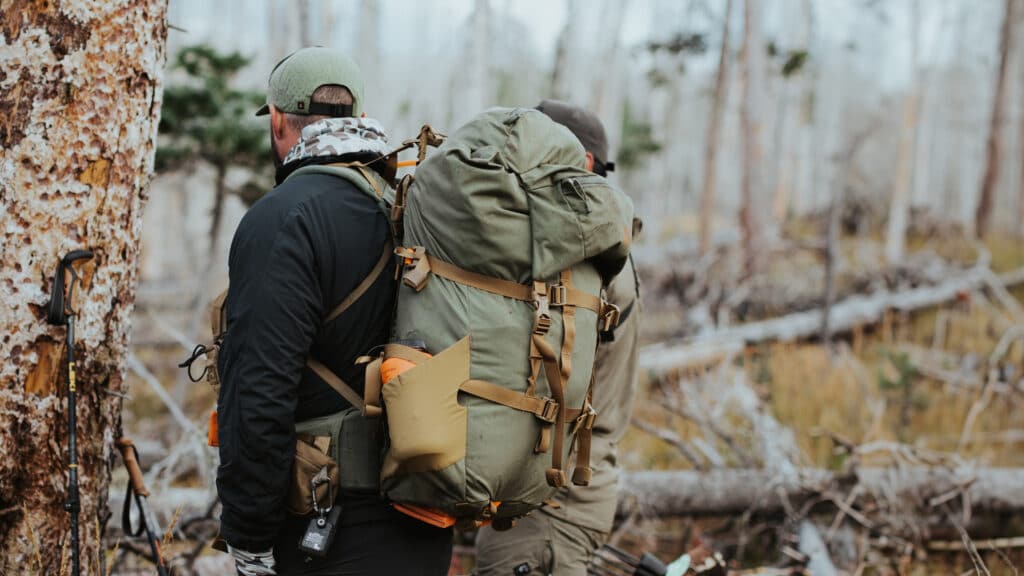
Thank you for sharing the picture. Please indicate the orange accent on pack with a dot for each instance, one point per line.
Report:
(392, 367)
(407, 163)
(427, 515)
(211, 432)
(433, 516)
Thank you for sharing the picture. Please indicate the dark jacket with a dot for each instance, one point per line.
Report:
(296, 254)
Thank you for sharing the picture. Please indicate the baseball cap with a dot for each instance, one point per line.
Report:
(294, 79)
(584, 124)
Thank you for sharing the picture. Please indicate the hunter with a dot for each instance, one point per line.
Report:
(561, 538)
(308, 245)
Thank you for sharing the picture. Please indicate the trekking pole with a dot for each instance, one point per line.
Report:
(137, 488)
(61, 313)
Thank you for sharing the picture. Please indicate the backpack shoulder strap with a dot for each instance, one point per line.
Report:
(218, 315)
(360, 176)
(371, 278)
(339, 385)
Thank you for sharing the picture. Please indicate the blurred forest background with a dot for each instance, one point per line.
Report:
(832, 266)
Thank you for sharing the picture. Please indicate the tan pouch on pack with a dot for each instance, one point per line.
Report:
(311, 456)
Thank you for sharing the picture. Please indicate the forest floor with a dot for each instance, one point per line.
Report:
(911, 380)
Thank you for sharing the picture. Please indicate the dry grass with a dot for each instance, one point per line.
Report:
(812, 390)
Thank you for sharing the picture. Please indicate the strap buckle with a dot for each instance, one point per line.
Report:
(610, 314)
(549, 413)
(542, 316)
(417, 276)
(558, 294)
(586, 419)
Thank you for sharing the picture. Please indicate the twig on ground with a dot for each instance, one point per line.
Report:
(141, 371)
(972, 552)
(677, 405)
(672, 439)
(976, 409)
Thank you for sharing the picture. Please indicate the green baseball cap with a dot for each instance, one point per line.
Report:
(299, 74)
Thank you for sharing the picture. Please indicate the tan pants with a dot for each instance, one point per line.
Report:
(537, 545)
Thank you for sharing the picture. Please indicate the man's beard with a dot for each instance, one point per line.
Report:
(278, 161)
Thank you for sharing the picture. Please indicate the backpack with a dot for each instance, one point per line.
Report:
(507, 243)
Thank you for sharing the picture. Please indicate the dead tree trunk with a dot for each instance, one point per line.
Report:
(843, 316)
(899, 207)
(983, 214)
(707, 196)
(369, 42)
(738, 491)
(750, 224)
(80, 100)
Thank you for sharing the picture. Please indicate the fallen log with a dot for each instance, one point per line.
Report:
(709, 347)
(687, 493)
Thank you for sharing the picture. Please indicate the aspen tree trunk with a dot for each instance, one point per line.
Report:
(983, 213)
(753, 56)
(707, 196)
(565, 53)
(899, 206)
(80, 94)
(479, 89)
(369, 45)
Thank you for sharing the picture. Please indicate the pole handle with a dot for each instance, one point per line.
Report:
(131, 461)
(61, 298)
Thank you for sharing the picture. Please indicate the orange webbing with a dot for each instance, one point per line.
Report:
(212, 436)
(428, 515)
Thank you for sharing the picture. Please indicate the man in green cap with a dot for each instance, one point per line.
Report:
(312, 242)
(561, 537)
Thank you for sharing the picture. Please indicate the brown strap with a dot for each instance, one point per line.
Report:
(536, 361)
(555, 475)
(131, 462)
(582, 473)
(407, 353)
(218, 315)
(544, 408)
(398, 206)
(371, 389)
(339, 385)
(568, 328)
(479, 281)
(583, 428)
(363, 169)
(365, 285)
(369, 178)
(561, 295)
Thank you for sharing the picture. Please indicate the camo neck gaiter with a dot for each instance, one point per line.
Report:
(340, 137)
